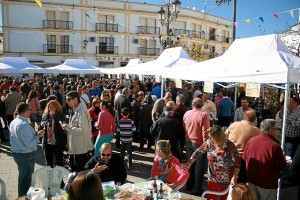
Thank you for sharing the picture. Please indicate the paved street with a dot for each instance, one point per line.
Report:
(142, 162)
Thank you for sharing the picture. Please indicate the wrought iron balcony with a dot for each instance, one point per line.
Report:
(148, 30)
(148, 51)
(58, 24)
(107, 27)
(107, 50)
(53, 48)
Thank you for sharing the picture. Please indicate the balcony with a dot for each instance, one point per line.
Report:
(212, 37)
(58, 24)
(106, 27)
(148, 30)
(107, 50)
(148, 51)
(53, 48)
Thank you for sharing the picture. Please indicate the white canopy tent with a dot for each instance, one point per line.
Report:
(172, 57)
(6, 69)
(262, 59)
(133, 62)
(21, 63)
(73, 66)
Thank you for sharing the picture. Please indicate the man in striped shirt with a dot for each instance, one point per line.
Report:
(126, 128)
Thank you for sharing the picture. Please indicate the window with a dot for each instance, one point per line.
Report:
(51, 19)
(51, 44)
(65, 48)
(64, 17)
(212, 33)
(106, 45)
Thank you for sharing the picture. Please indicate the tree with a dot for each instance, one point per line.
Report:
(195, 51)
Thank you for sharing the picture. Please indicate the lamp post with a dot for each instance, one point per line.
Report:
(219, 2)
(85, 42)
(166, 17)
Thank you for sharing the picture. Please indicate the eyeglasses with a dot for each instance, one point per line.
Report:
(106, 95)
(103, 154)
(69, 99)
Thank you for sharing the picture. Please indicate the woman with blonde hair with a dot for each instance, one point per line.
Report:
(242, 191)
(223, 161)
(55, 138)
(167, 167)
(86, 185)
(106, 96)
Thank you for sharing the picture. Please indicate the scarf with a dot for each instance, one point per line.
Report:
(163, 165)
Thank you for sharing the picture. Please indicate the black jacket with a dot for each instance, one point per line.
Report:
(116, 170)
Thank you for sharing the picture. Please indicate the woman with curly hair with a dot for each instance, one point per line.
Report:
(55, 138)
(167, 167)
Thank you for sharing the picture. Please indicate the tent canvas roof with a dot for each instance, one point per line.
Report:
(4, 68)
(133, 62)
(262, 59)
(168, 59)
(73, 66)
(19, 63)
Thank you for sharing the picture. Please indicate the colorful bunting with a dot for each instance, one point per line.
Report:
(291, 12)
(236, 24)
(58, 8)
(261, 19)
(275, 15)
(39, 3)
(248, 22)
(226, 26)
(87, 15)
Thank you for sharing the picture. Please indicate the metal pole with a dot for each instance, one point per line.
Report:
(168, 24)
(234, 20)
(285, 109)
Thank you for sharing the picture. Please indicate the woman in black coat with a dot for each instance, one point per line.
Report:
(55, 138)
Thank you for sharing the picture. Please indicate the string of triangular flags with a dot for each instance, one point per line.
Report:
(262, 19)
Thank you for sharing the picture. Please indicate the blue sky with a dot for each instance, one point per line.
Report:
(248, 9)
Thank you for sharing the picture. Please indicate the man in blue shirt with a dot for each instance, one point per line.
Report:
(157, 90)
(225, 110)
(95, 91)
(24, 140)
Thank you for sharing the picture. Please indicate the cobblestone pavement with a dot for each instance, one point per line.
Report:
(142, 162)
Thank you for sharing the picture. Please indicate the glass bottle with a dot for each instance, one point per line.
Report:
(49, 195)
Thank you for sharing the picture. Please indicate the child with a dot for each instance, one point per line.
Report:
(126, 128)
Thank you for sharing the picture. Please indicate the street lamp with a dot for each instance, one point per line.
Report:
(85, 42)
(219, 2)
(166, 17)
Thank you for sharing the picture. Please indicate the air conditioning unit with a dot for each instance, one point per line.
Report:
(135, 41)
(92, 39)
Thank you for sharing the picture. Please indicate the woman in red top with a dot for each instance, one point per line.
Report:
(94, 113)
(167, 167)
(34, 104)
(106, 126)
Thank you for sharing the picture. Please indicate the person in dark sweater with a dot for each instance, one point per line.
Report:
(108, 166)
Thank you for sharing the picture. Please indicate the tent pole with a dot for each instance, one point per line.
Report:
(235, 96)
(285, 108)
(162, 86)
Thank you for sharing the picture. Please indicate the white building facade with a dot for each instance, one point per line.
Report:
(103, 32)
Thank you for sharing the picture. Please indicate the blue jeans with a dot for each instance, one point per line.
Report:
(25, 163)
(127, 147)
(197, 169)
(107, 138)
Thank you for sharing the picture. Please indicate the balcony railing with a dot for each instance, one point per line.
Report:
(107, 50)
(106, 27)
(148, 51)
(148, 30)
(53, 48)
(58, 24)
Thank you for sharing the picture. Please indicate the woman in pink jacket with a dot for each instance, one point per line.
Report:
(106, 126)
(167, 167)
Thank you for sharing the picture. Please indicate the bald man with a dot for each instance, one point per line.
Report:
(240, 133)
(108, 165)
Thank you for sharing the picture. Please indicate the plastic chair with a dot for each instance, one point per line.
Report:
(50, 177)
(220, 193)
(3, 189)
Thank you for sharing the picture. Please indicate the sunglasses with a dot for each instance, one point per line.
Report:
(106, 95)
(69, 99)
(103, 154)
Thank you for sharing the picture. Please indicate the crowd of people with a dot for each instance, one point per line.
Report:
(230, 142)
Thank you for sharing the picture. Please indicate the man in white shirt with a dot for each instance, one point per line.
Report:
(208, 105)
(83, 97)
